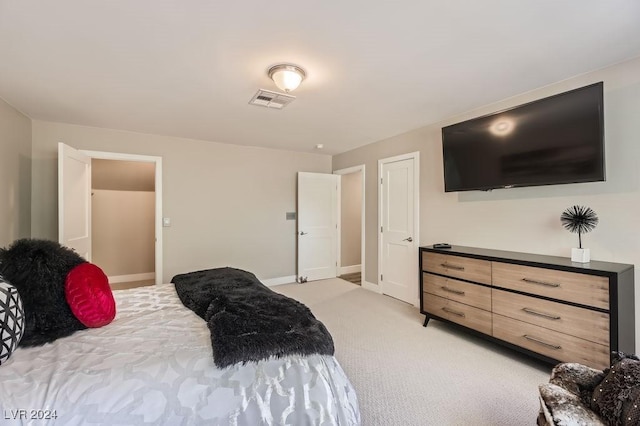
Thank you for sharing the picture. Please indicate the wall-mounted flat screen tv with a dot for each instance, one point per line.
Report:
(555, 140)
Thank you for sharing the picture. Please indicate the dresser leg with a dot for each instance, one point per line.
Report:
(426, 321)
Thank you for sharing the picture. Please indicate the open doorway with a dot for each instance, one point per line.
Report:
(122, 221)
(75, 205)
(351, 225)
(157, 215)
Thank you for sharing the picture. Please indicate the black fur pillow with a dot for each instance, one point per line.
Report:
(38, 269)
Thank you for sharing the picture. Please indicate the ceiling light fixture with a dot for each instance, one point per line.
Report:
(287, 76)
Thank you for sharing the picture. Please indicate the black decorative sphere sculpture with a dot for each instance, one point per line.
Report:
(579, 219)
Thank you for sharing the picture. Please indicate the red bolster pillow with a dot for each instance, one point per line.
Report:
(89, 295)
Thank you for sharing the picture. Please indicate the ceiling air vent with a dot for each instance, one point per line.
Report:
(270, 99)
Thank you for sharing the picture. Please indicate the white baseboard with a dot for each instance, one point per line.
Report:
(131, 277)
(349, 269)
(372, 287)
(279, 281)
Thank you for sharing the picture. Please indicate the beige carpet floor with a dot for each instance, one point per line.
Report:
(405, 374)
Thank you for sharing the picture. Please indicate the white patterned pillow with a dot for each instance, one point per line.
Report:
(11, 319)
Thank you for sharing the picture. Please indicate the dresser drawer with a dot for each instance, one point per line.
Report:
(457, 266)
(550, 343)
(589, 290)
(459, 313)
(434, 304)
(459, 291)
(579, 322)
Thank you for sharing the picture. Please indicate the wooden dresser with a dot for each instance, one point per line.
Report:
(545, 306)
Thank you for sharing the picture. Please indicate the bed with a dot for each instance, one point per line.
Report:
(153, 365)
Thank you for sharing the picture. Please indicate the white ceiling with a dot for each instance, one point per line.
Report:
(375, 68)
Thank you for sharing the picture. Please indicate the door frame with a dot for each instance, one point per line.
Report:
(416, 214)
(102, 155)
(347, 171)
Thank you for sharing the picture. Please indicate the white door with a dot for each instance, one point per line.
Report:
(74, 200)
(399, 245)
(317, 226)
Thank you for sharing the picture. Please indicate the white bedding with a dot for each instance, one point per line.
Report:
(153, 365)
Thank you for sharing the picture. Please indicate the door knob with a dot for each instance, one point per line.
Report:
(303, 233)
(408, 239)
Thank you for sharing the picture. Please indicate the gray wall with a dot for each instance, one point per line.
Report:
(120, 175)
(351, 219)
(227, 203)
(15, 174)
(524, 219)
(123, 231)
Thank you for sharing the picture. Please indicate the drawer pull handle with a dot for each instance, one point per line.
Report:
(549, 345)
(450, 290)
(541, 314)
(460, 314)
(449, 266)
(530, 281)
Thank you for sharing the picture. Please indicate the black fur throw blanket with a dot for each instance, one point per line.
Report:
(247, 320)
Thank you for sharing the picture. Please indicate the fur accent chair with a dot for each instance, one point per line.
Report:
(565, 399)
(580, 395)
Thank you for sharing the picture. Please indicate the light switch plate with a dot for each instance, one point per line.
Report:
(166, 221)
